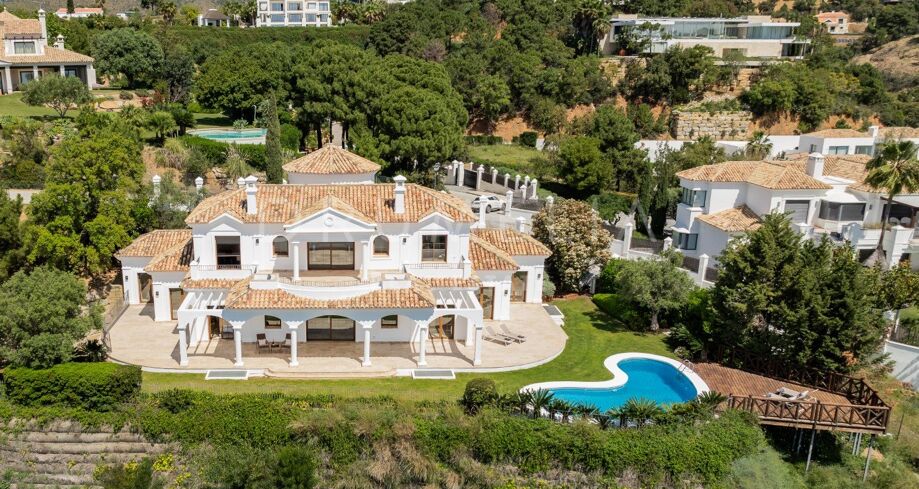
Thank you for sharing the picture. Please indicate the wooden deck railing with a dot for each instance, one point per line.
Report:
(856, 390)
(846, 417)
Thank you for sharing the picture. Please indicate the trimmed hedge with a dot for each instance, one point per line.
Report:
(215, 152)
(93, 386)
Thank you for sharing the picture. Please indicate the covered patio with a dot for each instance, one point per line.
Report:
(138, 340)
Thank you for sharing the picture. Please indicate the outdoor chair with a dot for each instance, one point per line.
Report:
(510, 334)
(262, 342)
(286, 342)
(506, 337)
(490, 336)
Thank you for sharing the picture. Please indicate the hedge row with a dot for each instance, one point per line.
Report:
(93, 386)
(216, 152)
(484, 140)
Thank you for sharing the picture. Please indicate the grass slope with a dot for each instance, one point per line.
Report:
(592, 336)
(507, 155)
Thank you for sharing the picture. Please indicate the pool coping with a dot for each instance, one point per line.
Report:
(620, 378)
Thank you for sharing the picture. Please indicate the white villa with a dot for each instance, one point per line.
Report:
(299, 13)
(332, 257)
(79, 12)
(25, 54)
(824, 196)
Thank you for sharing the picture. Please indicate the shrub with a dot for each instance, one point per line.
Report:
(290, 137)
(133, 475)
(296, 468)
(90, 351)
(528, 138)
(125, 95)
(92, 386)
(142, 92)
(478, 394)
(548, 288)
(215, 153)
(606, 282)
(618, 308)
(175, 400)
(483, 140)
(43, 351)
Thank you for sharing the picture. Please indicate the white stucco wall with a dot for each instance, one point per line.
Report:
(906, 361)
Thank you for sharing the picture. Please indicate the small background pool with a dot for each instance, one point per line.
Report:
(648, 379)
(229, 135)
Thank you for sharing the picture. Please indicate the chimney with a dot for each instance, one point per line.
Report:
(240, 182)
(251, 190)
(521, 224)
(400, 194)
(44, 25)
(874, 131)
(815, 165)
(59, 41)
(199, 184)
(156, 186)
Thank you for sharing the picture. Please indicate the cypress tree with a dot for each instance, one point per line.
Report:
(70, 8)
(274, 171)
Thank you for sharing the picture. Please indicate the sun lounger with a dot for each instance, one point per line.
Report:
(496, 339)
(505, 337)
(507, 332)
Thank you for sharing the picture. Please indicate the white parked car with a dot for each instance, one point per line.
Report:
(491, 203)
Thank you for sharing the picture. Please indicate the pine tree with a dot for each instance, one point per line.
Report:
(274, 171)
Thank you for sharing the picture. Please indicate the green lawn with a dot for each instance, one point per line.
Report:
(13, 105)
(205, 120)
(592, 336)
(507, 155)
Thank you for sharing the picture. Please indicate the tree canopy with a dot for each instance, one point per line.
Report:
(60, 93)
(129, 52)
(574, 233)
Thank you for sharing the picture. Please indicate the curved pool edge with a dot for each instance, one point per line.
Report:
(620, 378)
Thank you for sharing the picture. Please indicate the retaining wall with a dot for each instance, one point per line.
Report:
(717, 125)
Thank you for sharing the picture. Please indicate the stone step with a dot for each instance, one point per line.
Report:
(29, 485)
(31, 467)
(79, 448)
(329, 375)
(70, 437)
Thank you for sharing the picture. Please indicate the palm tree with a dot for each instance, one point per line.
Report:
(560, 406)
(524, 399)
(758, 147)
(710, 400)
(161, 123)
(540, 398)
(893, 169)
(586, 411)
(641, 410)
(591, 22)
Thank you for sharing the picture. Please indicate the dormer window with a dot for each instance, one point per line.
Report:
(279, 246)
(24, 47)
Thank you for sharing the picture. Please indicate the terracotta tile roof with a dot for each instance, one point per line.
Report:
(765, 174)
(850, 167)
(176, 259)
(418, 296)
(331, 160)
(839, 133)
(898, 132)
(208, 283)
(330, 202)
(155, 242)
(486, 256)
(735, 220)
(281, 203)
(513, 242)
(12, 26)
(52, 55)
(453, 283)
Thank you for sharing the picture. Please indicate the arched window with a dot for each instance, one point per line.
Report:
(381, 246)
(279, 246)
(272, 322)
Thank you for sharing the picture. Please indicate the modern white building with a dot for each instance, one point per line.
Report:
(347, 262)
(25, 54)
(753, 36)
(79, 12)
(823, 195)
(290, 13)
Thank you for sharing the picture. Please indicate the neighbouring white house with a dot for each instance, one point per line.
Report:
(345, 262)
(823, 195)
(26, 55)
(213, 18)
(753, 36)
(286, 13)
(79, 12)
(835, 22)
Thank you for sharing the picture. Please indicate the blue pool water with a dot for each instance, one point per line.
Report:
(648, 379)
(229, 135)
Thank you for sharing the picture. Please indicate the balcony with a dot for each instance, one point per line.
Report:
(229, 272)
(329, 284)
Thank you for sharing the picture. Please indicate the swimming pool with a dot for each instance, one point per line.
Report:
(243, 136)
(635, 375)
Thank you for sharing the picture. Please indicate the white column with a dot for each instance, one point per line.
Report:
(668, 243)
(477, 358)
(533, 185)
(422, 342)
(183, 345)
(507, 178)
(365, 260)
(296, 260)
(61, 70)
(34, 72)
(494, 176)
(516, 182)
(293, 328)
(7, 80)
(366, 326)
(626, 239)
(703, 266)
(478, 176)
(238, 344)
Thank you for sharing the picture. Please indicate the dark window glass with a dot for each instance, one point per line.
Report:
(279, 246)
(381, 245)
(227, 248)
(434, 247)
(272, 322)
(390, 322)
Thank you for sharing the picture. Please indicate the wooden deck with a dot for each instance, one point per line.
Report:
(823, 410)
(730, 381)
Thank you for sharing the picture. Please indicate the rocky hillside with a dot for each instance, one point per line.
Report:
(63, 454)
(897, 60)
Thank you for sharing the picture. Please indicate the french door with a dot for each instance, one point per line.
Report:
(487, 299)
(330, 328)
(519, 287)
(331, 256)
